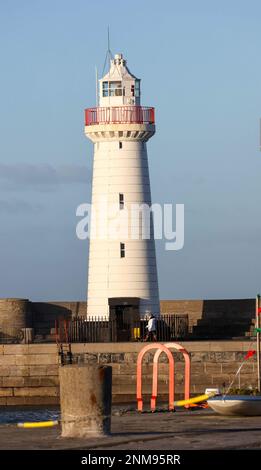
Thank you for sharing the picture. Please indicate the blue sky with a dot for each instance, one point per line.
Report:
(200, 67)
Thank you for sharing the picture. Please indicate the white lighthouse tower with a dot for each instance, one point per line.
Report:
(122, 277)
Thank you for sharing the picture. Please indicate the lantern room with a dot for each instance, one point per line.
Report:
(119, 87)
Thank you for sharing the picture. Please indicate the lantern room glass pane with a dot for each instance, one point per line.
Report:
(105, 89)
(115, 88)
(112, 89)
(137, 88)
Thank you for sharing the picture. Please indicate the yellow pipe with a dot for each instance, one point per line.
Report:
(197, 399)
(39, 424)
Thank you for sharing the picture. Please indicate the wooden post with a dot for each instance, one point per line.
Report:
(258, 342)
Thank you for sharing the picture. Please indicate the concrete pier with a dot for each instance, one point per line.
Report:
(183, 430)
(85, 394)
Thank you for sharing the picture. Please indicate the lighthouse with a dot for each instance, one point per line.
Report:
(122, 274)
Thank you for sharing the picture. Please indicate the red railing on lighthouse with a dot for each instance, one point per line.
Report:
(119, 115)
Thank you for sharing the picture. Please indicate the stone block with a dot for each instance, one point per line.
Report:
(117, 358)
(212, 368)
(35, 349)
(231, 368)
(115, 368)
(126, 389)
(196, 368)
(199, 357)
(37, 359)
(225, 356)
(132, 358)
(90, 358)
(36, 392)
(6, 392)
(104, 358)
(53, 369)
(51, 381)
(96, 348)
(42, 400)
(4, 371)
(15, 401)
(246, 379)
(19, 371)
(221, 346)
(21, 360)
(129, 368)
(13, 381)
(199, 389)
(247, 382)
(39, 370)
(203, 379)
(213, 356)
(219, 380)
(32, 381)
(14, 349)
(7, 360)
(124, 379)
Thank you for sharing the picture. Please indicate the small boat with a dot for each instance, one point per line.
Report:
(236, 405)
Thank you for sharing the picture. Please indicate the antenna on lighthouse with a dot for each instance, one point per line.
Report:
(109, 48)
(108, 52)
(97, 87)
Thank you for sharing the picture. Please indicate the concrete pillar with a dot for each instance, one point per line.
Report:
(85, 395)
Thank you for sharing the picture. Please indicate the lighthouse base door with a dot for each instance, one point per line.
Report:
(124, 313)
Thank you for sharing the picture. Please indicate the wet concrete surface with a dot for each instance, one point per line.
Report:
(130, 430)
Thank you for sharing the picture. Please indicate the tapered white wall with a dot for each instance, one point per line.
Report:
(123, 171)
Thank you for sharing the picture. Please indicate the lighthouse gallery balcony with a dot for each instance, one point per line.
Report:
(119, 115)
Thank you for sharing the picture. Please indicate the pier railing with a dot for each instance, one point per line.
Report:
(100, 330)
(103, 330)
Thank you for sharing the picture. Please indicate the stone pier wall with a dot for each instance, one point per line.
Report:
(44, 313)
(29, 373)
(208, 319)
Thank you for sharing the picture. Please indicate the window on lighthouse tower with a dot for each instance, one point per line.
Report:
(122, 250)
(121, 201)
